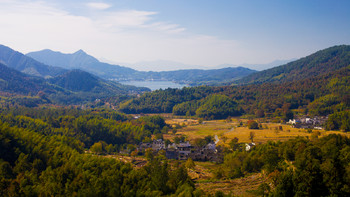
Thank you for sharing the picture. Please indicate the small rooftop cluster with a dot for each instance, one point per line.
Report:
(184, 150)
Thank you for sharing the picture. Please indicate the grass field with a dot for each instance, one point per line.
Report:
(269, 131)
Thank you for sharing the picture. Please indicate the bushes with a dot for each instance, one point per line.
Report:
(253, 124)
(339, 120)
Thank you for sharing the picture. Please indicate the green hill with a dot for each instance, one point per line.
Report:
(81, 81)
(321, 62)
(13, 81)
(70, 88)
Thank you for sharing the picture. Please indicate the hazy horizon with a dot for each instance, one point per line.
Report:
(165, 65)
(194, 33)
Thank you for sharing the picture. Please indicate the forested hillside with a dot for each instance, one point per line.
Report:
(42, 154)
(195, 77)
(71, 87)
(297, 167)
(320, 95)
(13, 81)
(319, 63)
(20, 62)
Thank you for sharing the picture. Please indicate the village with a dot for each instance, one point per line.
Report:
(185, 150)
(316, 122)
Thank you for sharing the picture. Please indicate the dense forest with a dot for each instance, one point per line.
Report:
(297, 167)
(45, 152)
(42, 154)
(87, 126)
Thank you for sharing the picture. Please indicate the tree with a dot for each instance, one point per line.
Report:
(224, 139)
(263, 189)
(110, 149)
(253, 124)
(199, 142)
(251, 136)
(177, 140)
(97, 148)
(158, 136)
(209, 138)
(149, 154)
(190, 164)
(234, 144)
(260, 113)
(174, 131)
(200, 120)
(167, 142)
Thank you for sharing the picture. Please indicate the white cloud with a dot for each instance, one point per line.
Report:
(126, 18)
(98, 6)
(123, 36)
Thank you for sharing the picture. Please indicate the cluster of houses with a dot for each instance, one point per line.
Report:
(184, 150)
(309, 123)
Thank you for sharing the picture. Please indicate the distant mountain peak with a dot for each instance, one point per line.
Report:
(28, 65)
(80, 51)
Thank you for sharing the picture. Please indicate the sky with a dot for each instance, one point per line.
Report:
(188, 32)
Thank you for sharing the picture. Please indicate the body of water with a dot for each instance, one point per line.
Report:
(154, 85)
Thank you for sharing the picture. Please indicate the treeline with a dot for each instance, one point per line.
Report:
(297, 167)
(339, 121)
(163, 101)
(87, 126)
(321, 95)
(35, 164)
(212, 107)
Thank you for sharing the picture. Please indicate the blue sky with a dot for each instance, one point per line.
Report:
(193, 32)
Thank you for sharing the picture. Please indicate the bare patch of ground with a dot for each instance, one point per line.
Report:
(237, 187)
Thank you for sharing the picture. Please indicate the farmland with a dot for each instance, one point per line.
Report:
(231, 129)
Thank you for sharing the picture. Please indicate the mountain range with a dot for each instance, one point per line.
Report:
(66, 79)
(317, 84)
(25, 64)
(83, 61)
(22, 75)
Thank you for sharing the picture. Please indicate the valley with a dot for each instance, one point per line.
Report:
(66, 131)
(172, 98)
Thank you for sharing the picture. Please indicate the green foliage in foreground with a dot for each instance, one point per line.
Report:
(298, 167)
(38, 161)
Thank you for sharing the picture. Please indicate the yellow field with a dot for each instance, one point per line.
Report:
(270, 131)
